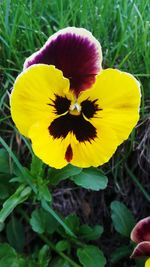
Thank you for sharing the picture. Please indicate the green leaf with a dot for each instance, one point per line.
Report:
(5, 186)
(91, 178)
(8, 256)
(44, 256)
(44, 193)
(122, 218)
(63, 245)
(41, 221)
(4, 191)
(60, 263)
(15, 234)
(48, 208)
(58, 175)
(90, 233)
(91, 256)
(21, 194)
(36, 166)
(4, 161)
(121, 253)
(23, 263)
(19, 169)
(14, 158)
(72, 221)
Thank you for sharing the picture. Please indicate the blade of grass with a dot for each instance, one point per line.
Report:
(139, 185)
(46, 206)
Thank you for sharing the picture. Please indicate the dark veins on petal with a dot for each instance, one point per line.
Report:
(60, 104)
(82, 129)
(89, 108)
(75, 55)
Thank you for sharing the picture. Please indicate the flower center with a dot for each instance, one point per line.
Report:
(62, 105)
(72, 120)
(75, 109)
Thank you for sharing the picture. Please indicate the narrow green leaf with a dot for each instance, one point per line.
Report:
(44, 256)
(21, 194)
(91, 178)
(19, 170)
(36, 166)
(4, 191)
(5, 186)
(15, 234)
(4, 161)
(122, 218)
(44, 193)
(47, 207)
(15, 160)
(91, 256)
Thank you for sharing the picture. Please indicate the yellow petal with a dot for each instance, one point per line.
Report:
(118, 97)
(52, 151)
(97, 151)
(147, 263)
(31, 95)
(49, 150)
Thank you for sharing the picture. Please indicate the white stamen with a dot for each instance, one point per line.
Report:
(75, 106)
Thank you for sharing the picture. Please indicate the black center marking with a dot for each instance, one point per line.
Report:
(60, 104)
(89, 108)
(82, 129)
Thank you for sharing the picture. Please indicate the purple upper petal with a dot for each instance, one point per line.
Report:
(74, 51)
(142, 249)
(141, 232)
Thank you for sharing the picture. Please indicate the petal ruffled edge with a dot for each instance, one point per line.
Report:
(118, 97)
(141, 231)
(141, 250)
(76, 52)
(81, 32)
(31, 94)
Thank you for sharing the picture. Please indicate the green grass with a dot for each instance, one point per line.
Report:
(121, 27)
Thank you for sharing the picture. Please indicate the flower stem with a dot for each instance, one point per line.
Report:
(64, 256)
(50, 244)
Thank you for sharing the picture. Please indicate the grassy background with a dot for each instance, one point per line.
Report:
(123, 28)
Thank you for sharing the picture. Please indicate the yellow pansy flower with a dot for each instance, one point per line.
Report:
(72, 110)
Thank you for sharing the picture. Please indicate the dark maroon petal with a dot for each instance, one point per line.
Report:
(142, 249)
(141, 232)
(74, 51)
